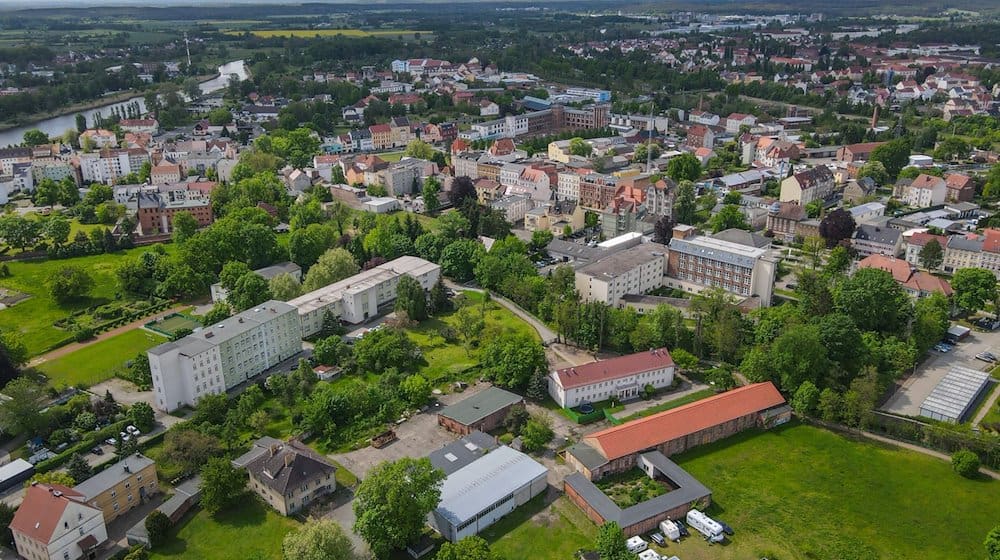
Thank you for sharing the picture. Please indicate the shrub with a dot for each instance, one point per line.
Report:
(965, 463)
(157, 525)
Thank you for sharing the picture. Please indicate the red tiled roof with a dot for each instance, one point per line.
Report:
(899, 268)
(958, 181)
(924, 282)
(380, 129)
(991, 241)
(924, 181)
(41, 509)
(614, 368)
(651, 431)
(922, 238)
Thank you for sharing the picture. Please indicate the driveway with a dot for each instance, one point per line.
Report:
(912, 391)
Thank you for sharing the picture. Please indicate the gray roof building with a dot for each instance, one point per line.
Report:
(476, 408)
(288, 466)
(109, 477)
(954, 396)
(462, 452)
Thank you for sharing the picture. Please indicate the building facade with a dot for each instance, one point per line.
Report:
(698, 261)
(622, 378)
(288, 475)
(53, 522)
(121, 487)
(633, 271)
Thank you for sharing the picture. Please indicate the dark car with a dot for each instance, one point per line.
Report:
(97, 451)
(725, 527)
(682, 528)
(658, 539)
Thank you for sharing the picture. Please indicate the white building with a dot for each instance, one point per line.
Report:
(568, 185)
(924, 191)
(381, 205)
(632, 271)
(867, 212)
(621, 378)
(54, 523)
(513, 206)
(359, 297)
(220, 357)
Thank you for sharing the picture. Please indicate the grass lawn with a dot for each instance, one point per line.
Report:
(98, 361)
(446, 359)
(631, 487)
(556, 532)
(803, 492)
(696, 396)
(33, 318)
(391, 156)
(249, 530)
(175, 322)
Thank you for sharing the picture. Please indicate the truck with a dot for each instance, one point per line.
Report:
(705, 525)
(670, 530)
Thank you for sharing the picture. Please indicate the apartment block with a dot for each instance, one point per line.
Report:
(698, 261)
(220, 357)
(633, 271)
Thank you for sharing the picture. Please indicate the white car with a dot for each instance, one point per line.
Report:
(125, 436)
(132, 430)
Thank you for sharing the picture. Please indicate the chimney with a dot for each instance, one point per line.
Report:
(273, 449)
(289, 457)
(126, 468)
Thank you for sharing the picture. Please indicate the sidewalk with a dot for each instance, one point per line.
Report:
(987, 406)
(73, 347)
(684, 389)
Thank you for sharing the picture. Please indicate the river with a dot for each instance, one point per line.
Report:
(57, 125)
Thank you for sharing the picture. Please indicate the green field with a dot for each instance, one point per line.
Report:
(391, 156)
(269, 33)
(533, 530)
(249, 530)
(175, 322)
(98, 361)
(33, 318)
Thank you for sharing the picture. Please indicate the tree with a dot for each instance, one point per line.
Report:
(137, 552)
(218, 313)
(7, 512)
(185, 225)
(729, 217)
(814, 209)
(284, 287)
(462, 189)
(965, 463)
(78, 468)
(157, 527)
(806, 398)
(69, 282)
(142, 416)
(392, 503)
(875, 170)
(836, 226)
(973, 288)
(190, 449)
(838, 261)
(417, 390)
(411, 298)
(830, 404)
(53, 477)
(385, 348)
(329, 351)
(419, 149)
(894, 155)
(250, 289)
(511, 359)
(81, 122)
(307, 244)
(222, 484)
(430, 193)
(19, 231)
(318, 539)
(931, 255)
(579, 147)
(20, 414)
(333, 265)
(537, 432)
(459, 259)
(874, 301)
(470, 324)
(57, 230)
(992, 543)
(469, 548)
(686, 206)
(930, 321)
(540, 238)
(437, 300)
(35, 137)
(610, 542)
(684, 167)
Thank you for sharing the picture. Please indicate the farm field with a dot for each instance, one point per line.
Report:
(33, 318)
(798, 492)
(99, 361)
(268, 33)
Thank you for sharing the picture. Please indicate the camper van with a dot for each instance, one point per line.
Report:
(706, 526)
(636, 545)
(670, 530)
(649, 555)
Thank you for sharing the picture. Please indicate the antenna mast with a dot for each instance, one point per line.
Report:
(187, 47)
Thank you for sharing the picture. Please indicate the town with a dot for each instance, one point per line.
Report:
(590, 282)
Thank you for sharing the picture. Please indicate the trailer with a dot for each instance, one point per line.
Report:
(706, 526)
(636, 544)
(670, 530)
(649, 555)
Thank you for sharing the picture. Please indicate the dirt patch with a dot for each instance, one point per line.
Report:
(10, 297)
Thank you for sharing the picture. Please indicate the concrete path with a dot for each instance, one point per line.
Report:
(987, 406)
(73, 347)
(684, 389)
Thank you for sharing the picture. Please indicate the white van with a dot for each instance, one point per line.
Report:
(649, 555)
(670, 530)
(636, 545)
(706, 526)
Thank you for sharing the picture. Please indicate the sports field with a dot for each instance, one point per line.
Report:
(172, 323)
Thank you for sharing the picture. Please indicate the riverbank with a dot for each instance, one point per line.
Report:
(88, 106)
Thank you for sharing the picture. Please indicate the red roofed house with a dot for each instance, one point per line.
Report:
(916, 242)
(961, 187)
(621, 378)
(165, 172)
(616, 449)
(736, 120)
(381, 136)
(916, 283)
(700, 137)
(54, 523)
(857, 152)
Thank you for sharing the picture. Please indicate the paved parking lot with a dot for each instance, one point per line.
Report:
(914, 389)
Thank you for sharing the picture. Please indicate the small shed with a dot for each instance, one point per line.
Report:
(483, 411)
(958, 332)
(14, 473)
(381, 205)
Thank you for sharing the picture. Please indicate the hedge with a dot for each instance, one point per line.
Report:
(82, 446)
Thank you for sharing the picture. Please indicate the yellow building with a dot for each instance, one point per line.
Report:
(287, 475)
(120, 487)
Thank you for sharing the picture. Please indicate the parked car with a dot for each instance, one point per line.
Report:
(111, 441)
(682, 528)
(124, 436)
(658, 539)
(96, 450)
(725, 527)
(986, 357)
(132, 430)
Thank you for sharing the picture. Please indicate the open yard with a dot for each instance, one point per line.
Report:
(696, 396)
(631, 487)
(249, 531)
(98, 361)
(33, 318)
(536, 531)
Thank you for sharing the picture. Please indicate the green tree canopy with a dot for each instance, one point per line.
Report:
(392, 503)
(222, 484)
(974, 287)
(873, 300)
(318, 539)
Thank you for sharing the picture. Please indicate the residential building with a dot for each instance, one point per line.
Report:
(484, 411)
(916, 283)
(513, 206)
(288, 476)
(633, 271)
(867, 212)
(616, 449)
(54, 522)
(961, 187)
(381, 136)
(165, 172)
(700, 136)
(857, 152)
(360, 297)
(917, 241)
(224, 355)
(815, 183)
(857, 190)
(121, 487)
(597, 190)
(485, 490)
(407, 176)
(963, 251)
(219, 294)
(990, 257)
(140, 126)
(870, 239)
(698, 261)
(783, 219)
(924, 191)
(156, 212)
(703, 117)
(99, 138)
(736, 120)
(660, 198)
(10, 156)
(622, 378)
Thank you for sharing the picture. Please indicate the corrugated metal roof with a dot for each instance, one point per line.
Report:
(953, 396)
(471, 489)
